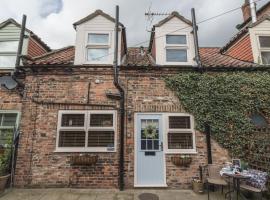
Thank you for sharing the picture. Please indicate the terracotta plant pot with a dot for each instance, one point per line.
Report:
(3, 182)
(83, 160)
(197, 187)
(181, 161)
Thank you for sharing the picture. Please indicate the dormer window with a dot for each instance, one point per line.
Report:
(176, 48)
(98, 45)
(8, 52)
(264, 44)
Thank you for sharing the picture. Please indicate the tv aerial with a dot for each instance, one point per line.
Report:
(150, 17)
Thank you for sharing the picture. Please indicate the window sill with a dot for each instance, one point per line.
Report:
(69, 150)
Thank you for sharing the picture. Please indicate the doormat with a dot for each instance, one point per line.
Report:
(148, 196)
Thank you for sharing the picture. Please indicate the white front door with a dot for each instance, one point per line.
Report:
(150, 159)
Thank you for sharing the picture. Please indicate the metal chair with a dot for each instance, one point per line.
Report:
(214, 178)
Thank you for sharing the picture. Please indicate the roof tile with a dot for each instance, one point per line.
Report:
(210, 56)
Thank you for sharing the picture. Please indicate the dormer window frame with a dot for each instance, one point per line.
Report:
(262, 49)
(98, 46)
(177, 47)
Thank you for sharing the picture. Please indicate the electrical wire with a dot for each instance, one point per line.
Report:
(200, 22)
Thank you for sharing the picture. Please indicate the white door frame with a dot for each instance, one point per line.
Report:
(136, 146)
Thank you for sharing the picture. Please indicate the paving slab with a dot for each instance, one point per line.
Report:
(90, 194)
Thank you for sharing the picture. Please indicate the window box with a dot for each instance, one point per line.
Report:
(181, 161)
(83, 160)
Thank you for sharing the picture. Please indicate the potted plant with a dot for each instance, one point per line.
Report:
(5, 163)
(197, 185)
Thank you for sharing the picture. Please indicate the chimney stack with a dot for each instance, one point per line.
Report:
(246, 10)
(249, 10)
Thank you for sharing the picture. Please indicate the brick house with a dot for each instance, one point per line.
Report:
(71, 107)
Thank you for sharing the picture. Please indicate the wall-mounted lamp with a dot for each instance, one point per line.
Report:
(129, 115)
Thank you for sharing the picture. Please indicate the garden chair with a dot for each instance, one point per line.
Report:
(257, 182)
(214, 178)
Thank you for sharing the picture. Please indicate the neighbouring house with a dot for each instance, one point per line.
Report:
(11, 101)
(71, 124)
(252, 42)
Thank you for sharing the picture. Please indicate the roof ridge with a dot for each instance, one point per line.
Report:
(173, 14)
(53, 52)
(93, 15)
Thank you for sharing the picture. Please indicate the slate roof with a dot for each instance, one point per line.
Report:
(210, 56)
(32, 34)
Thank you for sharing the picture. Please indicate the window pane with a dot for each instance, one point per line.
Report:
(264, 41)
(101, 120)
(266, 58)
(258, 120)
(72, 120)
(101, 139)
(71, 139)
(98, 38)
(100, 54)
(9, 119)
(176, 39)
(9, 46)
(181, 122)
(7, 61)
(176, 55)
(5, 134)
(180, 141)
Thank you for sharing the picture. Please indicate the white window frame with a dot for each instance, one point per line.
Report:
(8, 53)
(97, 46)
(262, 49)
(86, 128)
(177, 47)
(191, 130)
(17, 119)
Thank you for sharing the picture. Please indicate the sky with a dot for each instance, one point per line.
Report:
(52, 19)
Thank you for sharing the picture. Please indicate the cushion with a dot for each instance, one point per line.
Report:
(258, 179)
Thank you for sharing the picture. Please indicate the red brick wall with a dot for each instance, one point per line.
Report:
(242, 49)
(34, 48)
(39, 166)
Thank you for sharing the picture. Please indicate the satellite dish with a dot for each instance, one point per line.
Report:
(8, 82)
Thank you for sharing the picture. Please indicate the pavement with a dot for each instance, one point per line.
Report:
(89, 194)
(98, 194)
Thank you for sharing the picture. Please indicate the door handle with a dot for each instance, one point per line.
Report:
(161, 146)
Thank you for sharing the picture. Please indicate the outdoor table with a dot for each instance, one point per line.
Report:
(236, 183)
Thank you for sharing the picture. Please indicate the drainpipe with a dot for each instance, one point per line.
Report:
(253, 11)
(196, 41)
(20, 46)
(208, 142)
(121, 100)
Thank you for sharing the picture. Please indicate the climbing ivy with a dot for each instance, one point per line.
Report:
(225, 100)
